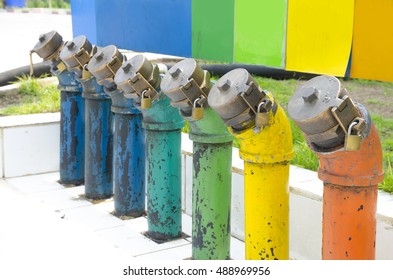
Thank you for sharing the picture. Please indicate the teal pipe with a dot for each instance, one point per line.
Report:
(163, 170)
(162, 124)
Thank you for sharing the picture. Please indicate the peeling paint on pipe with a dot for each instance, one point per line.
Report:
(98, 141)
(72, 129)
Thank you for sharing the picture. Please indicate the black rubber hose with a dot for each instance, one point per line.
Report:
(12, 75)
(214, 69)
(257, 70)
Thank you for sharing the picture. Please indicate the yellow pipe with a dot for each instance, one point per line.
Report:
(266, 158)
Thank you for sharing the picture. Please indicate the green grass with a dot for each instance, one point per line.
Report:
(36, 98)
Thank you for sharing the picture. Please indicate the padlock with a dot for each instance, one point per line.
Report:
(197, 113)
(61, 67)
(146, 101)
(86, 74)
(352, 142)
(262, 118)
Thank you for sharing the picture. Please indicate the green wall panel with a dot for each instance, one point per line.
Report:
(260, 30)
(212, 29)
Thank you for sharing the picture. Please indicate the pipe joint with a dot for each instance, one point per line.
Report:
(339, 131)
(253, 117)
(120, 104)
(354, 168)
(139, 81)
(187, 87)
(67, 82)
(92, 90)
(324, 112)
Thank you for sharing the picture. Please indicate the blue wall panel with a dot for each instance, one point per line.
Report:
(160, 26)
(84, 19)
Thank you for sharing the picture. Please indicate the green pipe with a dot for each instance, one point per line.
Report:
(211, 196)
(187, 85)
(211, 188)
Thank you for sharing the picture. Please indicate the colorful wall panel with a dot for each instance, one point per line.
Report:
(319, 36)
(212, 29)
(260, 29)
(372, 51)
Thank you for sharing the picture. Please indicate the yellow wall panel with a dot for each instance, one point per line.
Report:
(372, 53)
(319, 36)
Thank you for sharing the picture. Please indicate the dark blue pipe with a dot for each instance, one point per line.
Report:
(72, 129)
(98, 146)
(128, 157)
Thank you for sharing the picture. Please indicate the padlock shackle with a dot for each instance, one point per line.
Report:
(351, 126)
(260, 105)
(196, 101)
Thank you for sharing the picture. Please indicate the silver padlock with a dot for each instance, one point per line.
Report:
(197, 112)
(146, 101)
(352, 142)
(262, 118)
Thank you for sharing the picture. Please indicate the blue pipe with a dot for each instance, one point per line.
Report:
(72, 129)
(98, 141)
(128, 157)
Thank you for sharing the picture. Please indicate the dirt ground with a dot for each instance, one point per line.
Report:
(10, 99)
(376, 96)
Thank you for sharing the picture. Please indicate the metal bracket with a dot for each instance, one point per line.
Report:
(141, 85)
(346, 113)
(248, 92)
(192, 91)
(82, 57)
(113, 65)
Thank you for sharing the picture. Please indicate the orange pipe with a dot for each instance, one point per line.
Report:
(350, 198)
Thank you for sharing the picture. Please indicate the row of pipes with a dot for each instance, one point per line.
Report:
(120, 135)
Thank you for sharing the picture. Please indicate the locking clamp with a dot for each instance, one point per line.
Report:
(143, 88)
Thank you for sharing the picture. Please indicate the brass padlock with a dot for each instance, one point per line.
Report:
(61, 67)
(262, 118)
(146, 101)
(197, 112)
(352, 142)
(86, 75)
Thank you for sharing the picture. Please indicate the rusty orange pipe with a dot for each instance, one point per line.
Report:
(350, 198)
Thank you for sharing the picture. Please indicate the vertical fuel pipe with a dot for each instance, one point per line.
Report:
(140, 80)
(72, 111)
(259, 123)
(347, 145)
(187, 86)
(98, 118)
(128, 136)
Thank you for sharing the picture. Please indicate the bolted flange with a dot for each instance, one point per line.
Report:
(185, 83)
(105, 63)
(48, 45)
(77, 53)
(138, 76)
(323, 111)
(238, 99)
